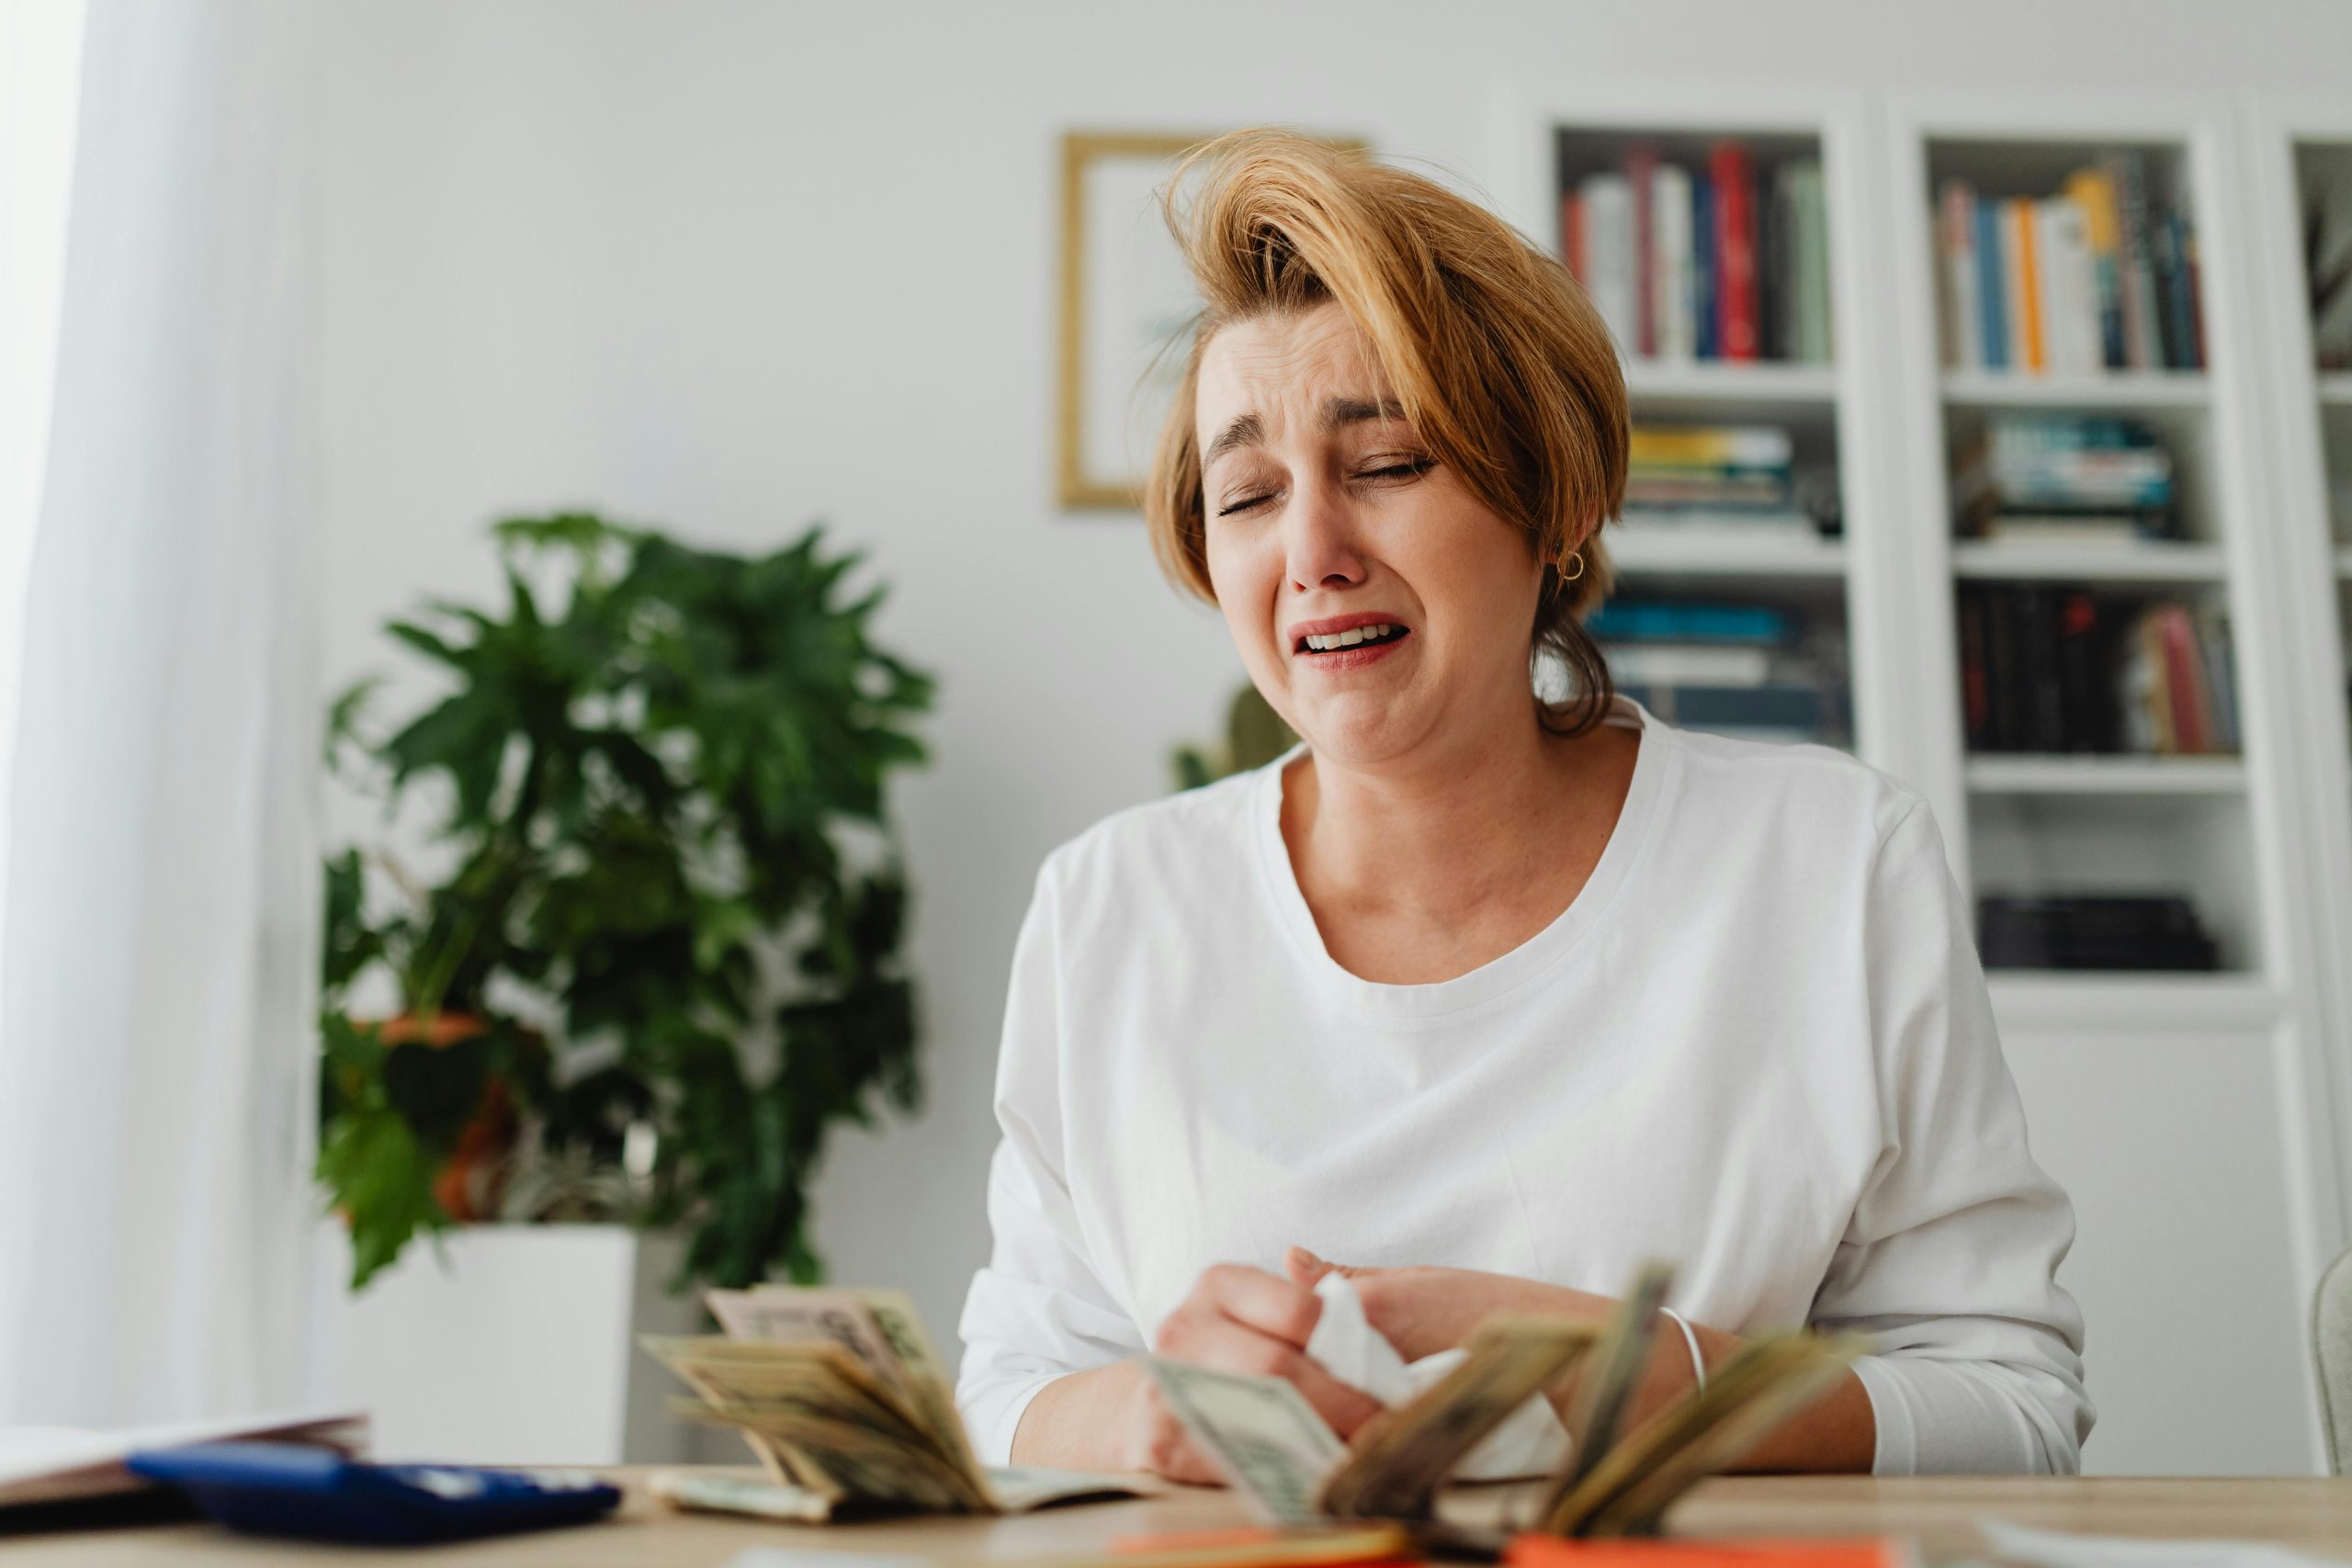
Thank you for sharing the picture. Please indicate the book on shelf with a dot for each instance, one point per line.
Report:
(2093, 932)
(1602, 216)
(2050, 669)
(1674, 620)
(1783, 713)
(1727, 259)
(2179, 682)
(1743, 669)
(1725, 475)
(2097, 275)
(1674, 332)
(2022, 467)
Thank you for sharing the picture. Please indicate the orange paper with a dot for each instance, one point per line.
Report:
(1551, 1551)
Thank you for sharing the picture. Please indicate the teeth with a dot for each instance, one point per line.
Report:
(1352, 637)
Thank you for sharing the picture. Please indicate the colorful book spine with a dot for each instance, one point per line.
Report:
(1672, 328)
(2182, 346)
(1609, 254)
(2143, 346)
(2093, 189)
(1963, 337)
(1734, 177)
(2027, 287)
(1641, 162)
(1817, 341)
(1992, 306)
(1703, 267)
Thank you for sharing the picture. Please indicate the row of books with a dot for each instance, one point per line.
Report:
(1729, 261)
(2051, 670)
(1736, 476)
(1745, 669)
(2093, 932)
(2101, 275)
(2079, 477)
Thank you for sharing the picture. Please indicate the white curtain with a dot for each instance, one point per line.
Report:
(160, 889)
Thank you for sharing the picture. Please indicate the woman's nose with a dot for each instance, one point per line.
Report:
(1320, 545)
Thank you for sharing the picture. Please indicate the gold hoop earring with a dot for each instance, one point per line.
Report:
(1568, 576)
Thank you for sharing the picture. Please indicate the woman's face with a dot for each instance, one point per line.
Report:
(1327, 519)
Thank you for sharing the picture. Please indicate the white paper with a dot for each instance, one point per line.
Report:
(1531, 1442)
(45, 1464)
(2054, 1549)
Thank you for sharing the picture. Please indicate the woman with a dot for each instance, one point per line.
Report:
(1485, 998)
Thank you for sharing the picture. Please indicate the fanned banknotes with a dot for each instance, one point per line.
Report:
(849, 1409)
(1274, 1447)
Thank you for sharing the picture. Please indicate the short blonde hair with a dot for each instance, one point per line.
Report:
(1494, 353)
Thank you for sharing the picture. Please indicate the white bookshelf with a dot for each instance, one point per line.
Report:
(2128, 777)
(2244, 1074)
(2026, 825)
(1814, 578)
(2114, 389)
(2138, 561)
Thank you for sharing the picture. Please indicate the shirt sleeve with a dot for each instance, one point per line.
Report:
(1038, 1309)
(1950, 1259)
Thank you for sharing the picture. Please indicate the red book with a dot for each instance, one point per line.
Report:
(1572, 233)
(1641, 162)
(2185, 677)
(1734, 177)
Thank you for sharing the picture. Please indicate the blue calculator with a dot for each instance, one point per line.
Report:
(292, 1489)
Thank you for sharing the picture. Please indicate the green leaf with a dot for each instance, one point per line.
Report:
(381, 1179)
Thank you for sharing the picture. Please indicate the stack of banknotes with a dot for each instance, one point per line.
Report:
(848, 1408)
(841, 1394)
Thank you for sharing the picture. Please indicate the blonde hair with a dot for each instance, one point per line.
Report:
(1494, 354)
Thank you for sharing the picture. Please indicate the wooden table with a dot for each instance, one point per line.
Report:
(1939, 1513)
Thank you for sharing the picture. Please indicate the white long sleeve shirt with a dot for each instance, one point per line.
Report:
(1758, 1043)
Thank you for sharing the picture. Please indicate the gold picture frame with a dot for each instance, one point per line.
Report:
(1123, 292)
(1087, 480)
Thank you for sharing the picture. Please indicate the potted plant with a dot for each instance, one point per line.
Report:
(659, 956)
(648, 956)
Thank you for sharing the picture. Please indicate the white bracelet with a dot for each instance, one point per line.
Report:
(1698, 1364)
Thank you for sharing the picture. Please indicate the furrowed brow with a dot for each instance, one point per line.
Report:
(1340, 412)
(1246, 431)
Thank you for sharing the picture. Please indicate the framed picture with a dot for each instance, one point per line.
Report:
(1125, 296)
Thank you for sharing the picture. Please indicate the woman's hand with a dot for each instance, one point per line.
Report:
(1424, 1310)
(1240, 1319)
(1235, 1319)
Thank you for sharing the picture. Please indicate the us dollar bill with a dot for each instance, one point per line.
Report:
(1605, 1394)
(1771, 1379)
(1407, 1453)
(1261, 1432)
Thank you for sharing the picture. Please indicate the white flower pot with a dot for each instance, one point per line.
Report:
(509, 1345)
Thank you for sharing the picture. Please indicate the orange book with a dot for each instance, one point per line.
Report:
(2028, 297)
(1552, 1551)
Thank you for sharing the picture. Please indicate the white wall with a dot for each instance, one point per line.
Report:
(730, 266)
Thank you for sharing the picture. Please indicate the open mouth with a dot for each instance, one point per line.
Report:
(1353, 637)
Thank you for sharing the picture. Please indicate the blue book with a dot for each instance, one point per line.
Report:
(1622, 620)
(1703, 264)
(1992, 289)
(2180, 295)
